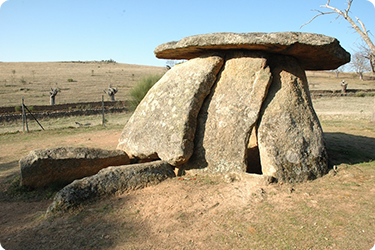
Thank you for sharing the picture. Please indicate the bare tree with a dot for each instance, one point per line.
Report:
(358, 26)
(366, 53)
(359, 64)
(52, 95)
(339, 70)
(111, 92)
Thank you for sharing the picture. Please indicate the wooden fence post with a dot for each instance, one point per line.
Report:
(103, 121)
(24, 118)
(23, 115)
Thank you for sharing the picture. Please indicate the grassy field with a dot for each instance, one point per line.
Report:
(332, 212)
(33, 81)
(78, 82)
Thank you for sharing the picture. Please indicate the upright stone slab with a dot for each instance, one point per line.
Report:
(163, 125)
(290, 138)
(229, 113)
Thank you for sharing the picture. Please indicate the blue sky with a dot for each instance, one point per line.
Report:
(128, 31)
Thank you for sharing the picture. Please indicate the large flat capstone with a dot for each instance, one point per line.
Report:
(163, 125)
(314, 51)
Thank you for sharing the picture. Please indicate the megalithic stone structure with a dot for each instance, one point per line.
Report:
(241, 103)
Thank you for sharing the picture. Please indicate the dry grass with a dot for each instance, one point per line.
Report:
(327, 80)
(33, 81)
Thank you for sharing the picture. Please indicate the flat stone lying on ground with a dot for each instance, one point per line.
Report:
(314, 51)
(163, 125)
(43, 167)
(109, 181)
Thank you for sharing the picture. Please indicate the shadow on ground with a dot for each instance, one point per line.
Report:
(349, 149)
(8, 165)
(90, 228)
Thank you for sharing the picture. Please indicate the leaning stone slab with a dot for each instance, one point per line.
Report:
(314, 51)
(229, 114)
(163, 125)
(42, 167)
(109, 181)
(290, 138)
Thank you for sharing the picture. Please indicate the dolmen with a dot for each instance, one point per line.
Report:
(240, 103)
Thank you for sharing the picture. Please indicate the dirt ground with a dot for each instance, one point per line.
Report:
(197, 212)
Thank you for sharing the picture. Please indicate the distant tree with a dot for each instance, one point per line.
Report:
(339, 70)
(52, 95)
(366, 53)
(13, 75)
(111, 92)
(360, 64)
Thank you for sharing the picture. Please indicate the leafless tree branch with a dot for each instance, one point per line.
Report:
(320, 14)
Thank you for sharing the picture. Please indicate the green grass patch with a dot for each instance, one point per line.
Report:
(139, 91)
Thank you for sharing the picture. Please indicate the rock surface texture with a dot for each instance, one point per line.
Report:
(290, 138)
(314, 51)
(109, 181)
(163, 125)
(43, 167)
(230, 112)
(240, 104)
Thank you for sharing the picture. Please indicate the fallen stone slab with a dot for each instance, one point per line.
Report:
(110, 181)
(314, 51)
(164, 123)
(61, 165)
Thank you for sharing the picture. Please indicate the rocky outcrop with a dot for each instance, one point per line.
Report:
(109, 181)
(290, 138)
(43, 167)
(313, 51)
(230, 112)
(163, 125)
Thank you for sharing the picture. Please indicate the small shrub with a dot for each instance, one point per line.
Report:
(22, 80)
(360, 94)
(18, 109)
(141, 88)
(70, 80)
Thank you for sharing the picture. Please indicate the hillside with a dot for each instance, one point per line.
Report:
(33, 81)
